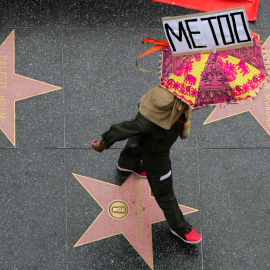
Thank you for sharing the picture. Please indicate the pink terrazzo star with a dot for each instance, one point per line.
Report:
(14, 87)
(259, 107)
(143, 211)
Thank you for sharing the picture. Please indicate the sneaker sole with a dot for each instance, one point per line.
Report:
(189, 242)
(127, 170)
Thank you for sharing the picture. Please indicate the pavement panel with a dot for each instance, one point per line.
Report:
(101, 91)
(24, 13)
(33, 213)
(117, 14)
(239, 131)
(235, 208)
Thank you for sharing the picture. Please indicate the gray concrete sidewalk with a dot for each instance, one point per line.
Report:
(89, 48)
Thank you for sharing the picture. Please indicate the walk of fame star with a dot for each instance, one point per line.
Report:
(259, 107)
(128, 209)
(14, 87)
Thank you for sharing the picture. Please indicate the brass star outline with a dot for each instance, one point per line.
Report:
(135, 191)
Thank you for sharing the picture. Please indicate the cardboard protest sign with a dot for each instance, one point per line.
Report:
(206, 32)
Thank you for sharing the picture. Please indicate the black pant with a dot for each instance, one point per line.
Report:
(153, 150)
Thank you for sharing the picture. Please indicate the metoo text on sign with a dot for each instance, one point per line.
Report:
(206, 32)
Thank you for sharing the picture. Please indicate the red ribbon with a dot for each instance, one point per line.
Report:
(159, 44)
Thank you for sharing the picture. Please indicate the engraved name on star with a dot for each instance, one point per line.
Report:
(15, 87)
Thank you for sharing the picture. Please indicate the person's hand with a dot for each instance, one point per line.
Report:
(98, 145)
(186, 128)
(188, 115)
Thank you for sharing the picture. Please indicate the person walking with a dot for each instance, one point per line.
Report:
(161, 119)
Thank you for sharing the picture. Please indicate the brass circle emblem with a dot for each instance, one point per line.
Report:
(118, 209)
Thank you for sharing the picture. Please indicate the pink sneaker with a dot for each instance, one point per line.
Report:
(192, 237)
(141, 173)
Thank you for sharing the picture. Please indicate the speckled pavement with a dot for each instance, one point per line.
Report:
(71, 74)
